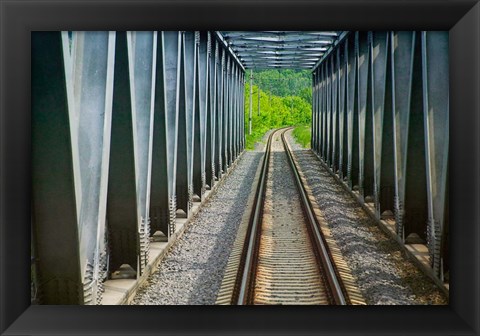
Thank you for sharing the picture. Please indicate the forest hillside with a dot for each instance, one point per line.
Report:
(285, 100)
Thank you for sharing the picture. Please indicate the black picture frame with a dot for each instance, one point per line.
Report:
(18, 18)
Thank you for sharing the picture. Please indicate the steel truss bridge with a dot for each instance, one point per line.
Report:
(128, 126)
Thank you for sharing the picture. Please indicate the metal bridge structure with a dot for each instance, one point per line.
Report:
(129, 127)
(381, 124)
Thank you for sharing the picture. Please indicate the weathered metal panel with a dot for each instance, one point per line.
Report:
(83, 73)
(378, 63)
(368, 163)
(243, 112)
(402, 49)
(226, 111)
(239, 111)
(334, 113)
(122, 209)
(313, 127)
(328, 143)
(142, 55)
(415, 211)
(234, 113)
(200, 133)
(54, 204)
(342, 120)
(91, 110)
(364, 115)
(416, 198)
(165, 133)
(352, 106)
(220, 108)
(186, 121)
(230, 112)
(337, 133)
(436, 118)
(324, 111)
(320, 103)
(387, 173)
(211, 112)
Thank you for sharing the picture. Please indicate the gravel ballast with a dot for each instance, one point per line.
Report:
(383, 274)
(192, 270)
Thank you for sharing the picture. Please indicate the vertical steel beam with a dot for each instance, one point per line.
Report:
(319, 105)
(220, 96)
(378, 64)
(250, 105)
(314, 111)
(226, 111)
(416, 198)
(324, 104)
(444, 245)
(353, 110)
(122, 209)
(316, 125)
(336, 115)
(234, 112)
(333, 111)
(242, 99)
(258, 96)
(81, 66)
(365, 136)
(402, 50)
(414, 215)
(54, 203)
(142, 55)
(211, 112)
(230, 112)
(328, 143)
(165, 133)
(387, 171)
(319, 110)
(239, 111)
(368, 163)
(342, 123)
(200, 133)
(186, 123)
(91, 86)
(436, 117)
(334, 152)
(243, 111)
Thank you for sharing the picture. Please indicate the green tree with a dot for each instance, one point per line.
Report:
(285, 100)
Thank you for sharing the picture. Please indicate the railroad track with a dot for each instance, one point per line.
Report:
(281, 255)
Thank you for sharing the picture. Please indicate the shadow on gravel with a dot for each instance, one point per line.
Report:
(222, 251)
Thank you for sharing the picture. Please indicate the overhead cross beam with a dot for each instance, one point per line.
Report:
(280, 49)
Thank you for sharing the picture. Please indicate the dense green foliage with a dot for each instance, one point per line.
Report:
(303, 135)
(285, 82)
(285, 99)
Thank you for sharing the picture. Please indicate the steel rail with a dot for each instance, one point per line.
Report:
(334, 282)
(248, 274)
(247, 270)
